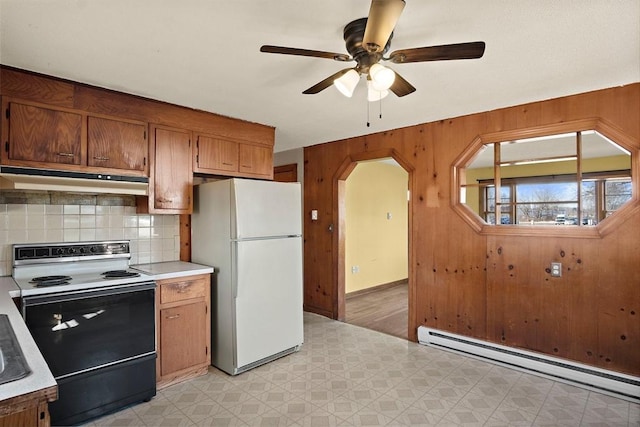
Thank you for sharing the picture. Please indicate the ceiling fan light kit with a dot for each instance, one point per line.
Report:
(368, 40)
(374, 94)
(381, 77)
(347, 83)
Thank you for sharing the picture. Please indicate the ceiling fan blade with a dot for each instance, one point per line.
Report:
(401, 87)
(383, 16)
(325, 83)
(445, 52)
(306, 52)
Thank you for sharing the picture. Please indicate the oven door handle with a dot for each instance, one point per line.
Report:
(87, 293)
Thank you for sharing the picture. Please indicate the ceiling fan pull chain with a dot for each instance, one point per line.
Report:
(380, 101)
(368, 124)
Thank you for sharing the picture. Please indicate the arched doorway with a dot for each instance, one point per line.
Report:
(339, 235)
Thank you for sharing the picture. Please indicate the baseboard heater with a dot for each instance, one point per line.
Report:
(601, 380)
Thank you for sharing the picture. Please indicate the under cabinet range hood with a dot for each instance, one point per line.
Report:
(19, 178)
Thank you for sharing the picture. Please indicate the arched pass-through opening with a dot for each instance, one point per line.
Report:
(339, 233)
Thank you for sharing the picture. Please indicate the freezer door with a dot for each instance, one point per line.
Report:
(268, 303)
(266, 208)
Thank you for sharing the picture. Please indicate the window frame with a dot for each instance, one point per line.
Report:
(603, 228)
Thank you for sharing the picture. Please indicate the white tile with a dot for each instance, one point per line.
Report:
(116, 233)
(116, 221)
(102, 234)
(144, 220)
(103, 210)
(87, 234)
(17, 209)
(130, 233)
(88, 221)
(54, 209)
(71, 209)
(35, 235)
(17, 221)
(35, 221)
(87, 209)
(54, 235)
(130, 221)
(102, 221)
(71, 221)
(144, 233)
(71, 234)
(55, 222)
(116, 210)
(35, 209)
(17, 236)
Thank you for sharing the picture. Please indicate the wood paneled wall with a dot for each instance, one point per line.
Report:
(491, 287)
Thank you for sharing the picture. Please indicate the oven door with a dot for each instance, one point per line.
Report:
(80, 331)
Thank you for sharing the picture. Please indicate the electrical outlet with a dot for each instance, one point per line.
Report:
(355, 269)
(556, 269)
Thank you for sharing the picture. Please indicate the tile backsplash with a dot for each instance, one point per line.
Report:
(154, 238)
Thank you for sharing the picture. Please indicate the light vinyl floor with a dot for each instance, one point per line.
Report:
(346, 375)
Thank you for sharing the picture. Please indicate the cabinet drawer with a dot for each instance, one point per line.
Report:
(178, 290)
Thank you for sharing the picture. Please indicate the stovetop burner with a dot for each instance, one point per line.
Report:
(113, 274)
(51, 280)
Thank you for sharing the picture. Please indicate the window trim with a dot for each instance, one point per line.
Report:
(603, 228)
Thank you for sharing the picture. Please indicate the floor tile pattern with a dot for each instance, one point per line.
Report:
(345, 375)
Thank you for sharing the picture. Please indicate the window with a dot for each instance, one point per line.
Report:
(537, 201)
(553, 176)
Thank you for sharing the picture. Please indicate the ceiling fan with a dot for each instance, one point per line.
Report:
(367, 41)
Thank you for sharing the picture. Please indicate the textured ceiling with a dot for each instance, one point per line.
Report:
(205, 54)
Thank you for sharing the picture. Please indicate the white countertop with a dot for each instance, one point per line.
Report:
(40, 376)
(173, 269)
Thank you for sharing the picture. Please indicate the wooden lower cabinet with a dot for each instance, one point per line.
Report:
(28, 410)
(183, 328)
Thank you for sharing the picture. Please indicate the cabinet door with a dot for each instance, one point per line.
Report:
(183, 341)
(216, 155)
(256, 160)
(117, 144)
(44, 135)
(171, 179)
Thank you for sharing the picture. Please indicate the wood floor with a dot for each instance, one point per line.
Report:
(384, 310)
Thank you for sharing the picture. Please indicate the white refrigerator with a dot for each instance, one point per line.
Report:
(251, 233)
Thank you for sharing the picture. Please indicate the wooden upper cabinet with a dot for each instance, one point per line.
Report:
(171, 178)
(214, 155)
(117, 144)
(256, 160)
(221, 156)
(48, 137)
(42, 135)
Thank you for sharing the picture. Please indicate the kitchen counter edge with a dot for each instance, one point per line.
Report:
(39, 384)
(173, 269)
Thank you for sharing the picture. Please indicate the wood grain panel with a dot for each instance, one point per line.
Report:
(172, 160)
(180, 327)
(31, 138)
(119, 104)
(286, 173)
(215, 154)
(117, 144)
(50, 90)
(32, 87)
(494, 286)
